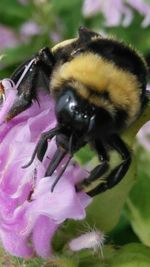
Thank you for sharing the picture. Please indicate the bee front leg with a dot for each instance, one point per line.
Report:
(117, 174)
(27, 88)
(42, 145)
(98, 171)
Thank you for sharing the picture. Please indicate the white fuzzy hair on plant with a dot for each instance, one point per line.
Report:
(93, 239)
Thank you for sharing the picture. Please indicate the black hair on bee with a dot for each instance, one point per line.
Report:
(99, 87)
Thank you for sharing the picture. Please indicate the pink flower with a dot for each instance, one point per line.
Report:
(117, 12)
(143, 8)
(29, 213)
(144, 136)
(55, 36)
(29, 29)
(8, 38)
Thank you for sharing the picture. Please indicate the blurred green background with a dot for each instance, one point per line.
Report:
(26, 26)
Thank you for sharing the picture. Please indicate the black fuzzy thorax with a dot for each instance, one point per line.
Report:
(122, 56)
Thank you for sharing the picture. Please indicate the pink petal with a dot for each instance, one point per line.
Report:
(29, 212)
(43, 233)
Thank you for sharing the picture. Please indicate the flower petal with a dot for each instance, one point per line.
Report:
(29, 212)
(43, 233)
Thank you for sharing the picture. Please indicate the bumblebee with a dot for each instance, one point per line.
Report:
(99, 88)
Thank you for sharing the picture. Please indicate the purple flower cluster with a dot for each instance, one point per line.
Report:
(29, 213)
(117, 12)
(8, 37)
(29, 29)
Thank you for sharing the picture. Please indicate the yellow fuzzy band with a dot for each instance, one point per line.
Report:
(101, 75)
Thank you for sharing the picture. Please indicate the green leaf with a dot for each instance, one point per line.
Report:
(69, 12)
(105, 210)
(13, 57)
(138, 204)
(84, 155)
(60, 261)
(123, 233)
(140, 39)
(131, 255)
(12, 13)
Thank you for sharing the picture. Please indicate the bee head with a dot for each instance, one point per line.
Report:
(75, 114)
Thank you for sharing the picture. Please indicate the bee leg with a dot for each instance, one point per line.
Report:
(26, 91)
(98, 171)
(57, 158)
(118, 172)
(42, 145)
(27, 88)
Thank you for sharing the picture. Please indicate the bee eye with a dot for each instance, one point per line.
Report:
(65, 108)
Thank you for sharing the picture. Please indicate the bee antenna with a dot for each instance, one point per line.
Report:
(57, 158)
(70, 144)
(60, 174)
(65, 166)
